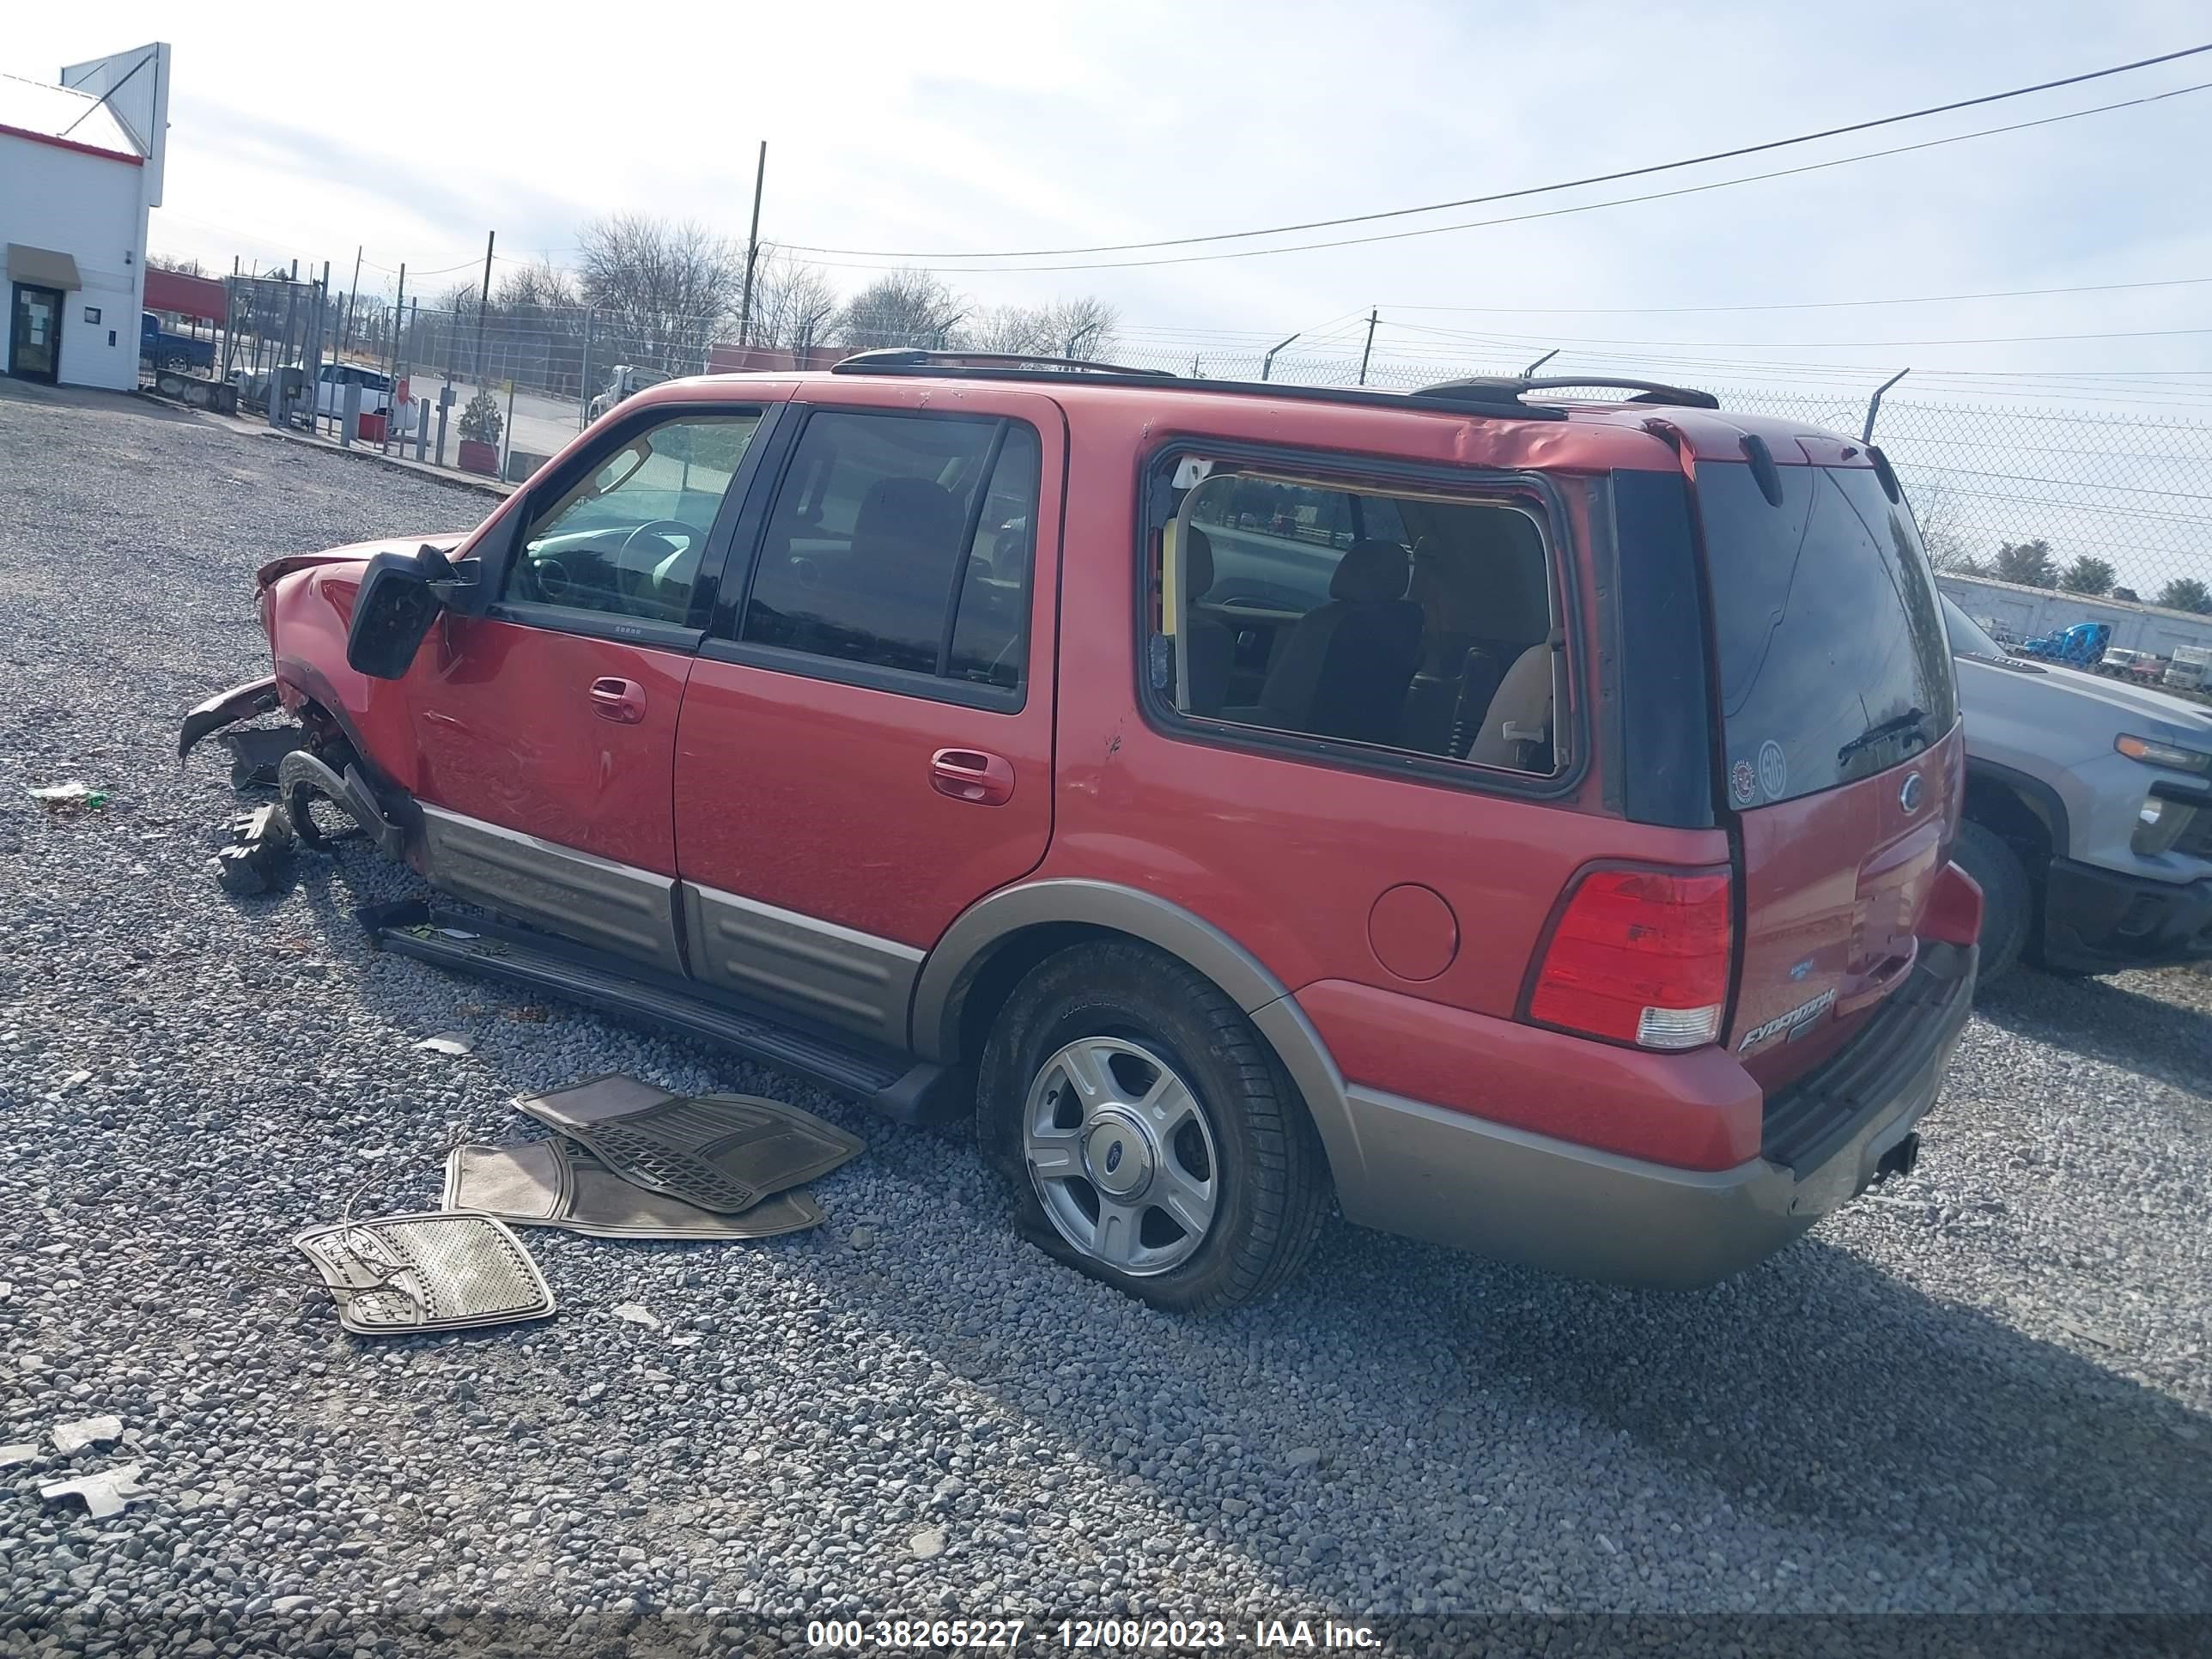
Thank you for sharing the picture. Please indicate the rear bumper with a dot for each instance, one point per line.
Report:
(1475, 1185)
(2098, 921)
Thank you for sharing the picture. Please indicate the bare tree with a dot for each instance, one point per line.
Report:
(182, 267)
(794, 304)
(541, 286)
(1083, 327)
(1067, 328)
(664, 289)
(1935, 510)
(902, 309)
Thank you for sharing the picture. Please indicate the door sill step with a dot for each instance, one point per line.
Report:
(909, 1091)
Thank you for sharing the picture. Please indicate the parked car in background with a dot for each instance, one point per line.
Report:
(180, 354)
(330, 392)
(2191, 668)
(2088, 814)
(625, 380)
(945, 729)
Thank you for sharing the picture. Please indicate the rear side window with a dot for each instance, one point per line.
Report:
(1411, 621)
(903, 542)
(1833, 656)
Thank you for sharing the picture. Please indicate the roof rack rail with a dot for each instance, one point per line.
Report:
(890, 359)
(1508, 388)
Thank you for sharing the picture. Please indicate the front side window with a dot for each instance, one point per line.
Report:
(903, 542)
(1415, 621)
(626, 539)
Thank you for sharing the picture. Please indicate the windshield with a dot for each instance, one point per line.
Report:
(1968, 637)
(1833, 664)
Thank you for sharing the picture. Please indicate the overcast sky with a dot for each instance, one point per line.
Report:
(414, 130)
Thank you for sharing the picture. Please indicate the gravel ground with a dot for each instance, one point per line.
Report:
(1985, 1389)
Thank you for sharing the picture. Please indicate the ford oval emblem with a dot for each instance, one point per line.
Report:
(1908, 794)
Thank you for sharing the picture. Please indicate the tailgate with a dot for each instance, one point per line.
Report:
(1834, 888)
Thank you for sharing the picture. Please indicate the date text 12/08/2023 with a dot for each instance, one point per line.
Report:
(1092, 1635)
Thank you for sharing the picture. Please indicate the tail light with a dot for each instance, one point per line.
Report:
(1953, 915)
(1639, 956)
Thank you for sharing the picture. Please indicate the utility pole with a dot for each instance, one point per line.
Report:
(752, 252)
(1367, 348)
(483, 304)
(352, 300)
(314, 366)
(391, 359)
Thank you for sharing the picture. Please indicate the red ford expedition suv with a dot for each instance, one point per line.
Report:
(1525, 821)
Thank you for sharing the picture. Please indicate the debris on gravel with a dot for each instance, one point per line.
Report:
(87, 1431)
(103, 1494)
(1900, 1412)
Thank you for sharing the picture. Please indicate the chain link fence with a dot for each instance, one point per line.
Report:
(2100, 500)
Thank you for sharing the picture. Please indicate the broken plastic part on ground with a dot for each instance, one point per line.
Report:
(102, 1494)
(87, 1431)
(256, 751)
(261, 842)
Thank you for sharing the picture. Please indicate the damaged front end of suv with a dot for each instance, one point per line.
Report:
(342, 625)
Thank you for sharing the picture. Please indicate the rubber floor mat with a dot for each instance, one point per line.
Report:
(722, 1152)
(430, 1272)
(552, 1183)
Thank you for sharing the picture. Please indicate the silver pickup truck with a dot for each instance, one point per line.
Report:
(2088, 814)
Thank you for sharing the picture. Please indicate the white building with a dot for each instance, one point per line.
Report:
(80, 166)
(2028, 613)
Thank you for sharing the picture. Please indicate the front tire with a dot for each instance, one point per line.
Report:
(1149, 1136)
(2007, 901)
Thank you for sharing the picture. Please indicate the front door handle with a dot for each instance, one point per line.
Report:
(618, 700)
(970, 774)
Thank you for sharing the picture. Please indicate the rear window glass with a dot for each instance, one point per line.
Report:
(1833, 662)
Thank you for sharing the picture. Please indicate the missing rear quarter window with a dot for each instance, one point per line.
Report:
(1413, 622)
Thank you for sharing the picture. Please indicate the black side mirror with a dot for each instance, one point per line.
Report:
(400, 597)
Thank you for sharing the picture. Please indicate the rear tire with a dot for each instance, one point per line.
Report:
(2007, 901)
(1148, 1135)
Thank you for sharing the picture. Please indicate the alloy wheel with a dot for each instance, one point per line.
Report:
(1122, 1156)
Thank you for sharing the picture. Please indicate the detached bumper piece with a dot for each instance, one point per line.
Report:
(2100, 921)
(240, 703)
(401, 1274)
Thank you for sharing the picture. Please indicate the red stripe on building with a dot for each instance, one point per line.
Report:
(71, 143)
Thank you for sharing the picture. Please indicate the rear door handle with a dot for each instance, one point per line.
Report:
(618, 700)
(969, 774)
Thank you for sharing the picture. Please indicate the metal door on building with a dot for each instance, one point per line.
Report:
(34, 336)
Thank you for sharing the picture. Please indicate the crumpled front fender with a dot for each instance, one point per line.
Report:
(239, 703)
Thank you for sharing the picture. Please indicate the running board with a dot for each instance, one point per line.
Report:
(906, 1090)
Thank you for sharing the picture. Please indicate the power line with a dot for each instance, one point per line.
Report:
(1840, 345)
(1512, 195)
(1551, 213)
(1805, 305)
